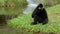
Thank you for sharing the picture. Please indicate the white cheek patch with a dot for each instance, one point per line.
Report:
(39, 8)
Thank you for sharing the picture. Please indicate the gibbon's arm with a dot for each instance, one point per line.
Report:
(45, 13)
(34, 13)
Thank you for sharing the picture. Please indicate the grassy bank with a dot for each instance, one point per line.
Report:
(22, 23)
(51, 2)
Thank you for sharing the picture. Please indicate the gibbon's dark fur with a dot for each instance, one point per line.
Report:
(40, 15)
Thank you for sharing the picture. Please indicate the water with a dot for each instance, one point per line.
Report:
(31, 5)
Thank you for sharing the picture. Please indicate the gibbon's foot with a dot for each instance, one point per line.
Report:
(33, 23)
(44, 23)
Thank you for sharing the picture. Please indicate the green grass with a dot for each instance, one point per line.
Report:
(23, 22)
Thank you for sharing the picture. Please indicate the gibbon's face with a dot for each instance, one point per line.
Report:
(40, 8)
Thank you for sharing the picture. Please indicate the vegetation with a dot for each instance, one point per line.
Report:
(23, 23)
(16, 3)
(12, 6)
(51, 2)
(13, 3)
